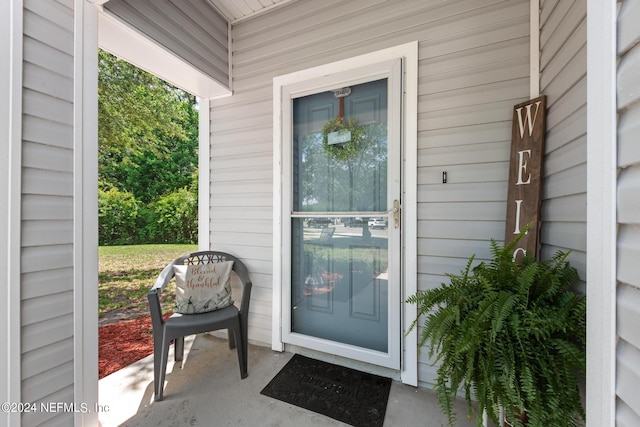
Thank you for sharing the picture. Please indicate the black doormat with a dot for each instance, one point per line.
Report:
(344, 394)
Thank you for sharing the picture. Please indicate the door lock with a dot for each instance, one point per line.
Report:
(396, 213)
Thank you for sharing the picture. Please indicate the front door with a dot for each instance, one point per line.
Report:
(344, 222)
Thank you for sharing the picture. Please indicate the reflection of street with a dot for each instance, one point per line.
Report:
(357, 254)
(325, 286)
(340, 283)
(343, 231)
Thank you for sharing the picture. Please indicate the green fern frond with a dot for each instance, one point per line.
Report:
(508, 334)
(503, 308)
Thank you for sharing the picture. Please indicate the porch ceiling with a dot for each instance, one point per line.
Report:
(237, 10)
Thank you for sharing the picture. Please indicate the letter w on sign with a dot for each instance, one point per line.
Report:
(525, 174)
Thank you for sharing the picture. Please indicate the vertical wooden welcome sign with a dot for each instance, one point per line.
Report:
(525, 174)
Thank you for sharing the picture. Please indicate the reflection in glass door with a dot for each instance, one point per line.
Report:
(340, 216)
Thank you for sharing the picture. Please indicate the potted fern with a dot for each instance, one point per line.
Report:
(512, 336)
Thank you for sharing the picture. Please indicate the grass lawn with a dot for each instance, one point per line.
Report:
(126, 273)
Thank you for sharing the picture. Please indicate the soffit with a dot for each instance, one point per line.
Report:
(238, 10)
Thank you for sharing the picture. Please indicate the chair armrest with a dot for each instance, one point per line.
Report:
(243, 274)
(156, 310)
(153, 296)
(246, 297)
(164, 277)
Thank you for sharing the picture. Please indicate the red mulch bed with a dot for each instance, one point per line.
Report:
(122, 343)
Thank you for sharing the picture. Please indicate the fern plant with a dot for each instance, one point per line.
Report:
(511, 335)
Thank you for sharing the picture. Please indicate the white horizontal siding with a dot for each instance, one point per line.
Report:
(47, 182)
(628, 137)
(569, 128)
(558, 234)
(625, 416)
(629, 195)
(41, 360)
(563, 65)
(45, 81)
(466, 116)
(42, 156)
(470, 192)
(47, 333)
(566, 209)
(628, 315)
(46, 32)
(46, 107)
(473, 68)
(451, 229)
(628, 214)
(468, 135)
(44, 131)
(35, 206)
(454, 248)
(46, 282)
(463, 211)
(489, 152)
(628, 376)
(38, 53)
(47, 209)
(191, 29)
(628, 31)
(53, 385)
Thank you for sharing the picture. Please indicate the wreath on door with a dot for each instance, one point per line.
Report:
(343, 150)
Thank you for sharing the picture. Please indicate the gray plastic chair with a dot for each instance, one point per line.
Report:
(178, 325)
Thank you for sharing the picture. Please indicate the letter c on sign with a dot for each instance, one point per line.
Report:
(515, 253)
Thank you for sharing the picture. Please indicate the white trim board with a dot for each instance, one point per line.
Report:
(85, 206)
(409, 53)
(534, 49)
(121, 40)
(11, 39)
(204, 173)
(601, 212)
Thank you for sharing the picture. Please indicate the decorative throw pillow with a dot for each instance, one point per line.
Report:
(203, 287)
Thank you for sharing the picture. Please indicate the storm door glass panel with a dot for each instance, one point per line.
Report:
(339, 223)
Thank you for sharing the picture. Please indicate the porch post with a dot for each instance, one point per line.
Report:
(85, 211)
(11, 37)
(601, 212)
(204, 173)
(534, 49)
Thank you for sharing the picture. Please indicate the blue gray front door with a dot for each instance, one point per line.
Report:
(344, 191)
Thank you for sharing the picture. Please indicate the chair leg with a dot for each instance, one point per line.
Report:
(178, 349)
(232, 338)
(245, 353)
(159, 383)
(157, 366)
(242, 353)
(244, 333)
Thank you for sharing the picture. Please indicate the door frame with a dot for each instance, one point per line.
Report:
(363, 66)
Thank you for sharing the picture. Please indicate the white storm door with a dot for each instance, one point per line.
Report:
(341, 278)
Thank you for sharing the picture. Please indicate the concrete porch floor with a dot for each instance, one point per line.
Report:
(207, 391)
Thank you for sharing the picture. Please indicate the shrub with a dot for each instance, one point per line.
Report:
(117, 217)
(173, 218)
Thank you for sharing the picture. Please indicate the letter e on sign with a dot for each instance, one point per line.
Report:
(525, 174)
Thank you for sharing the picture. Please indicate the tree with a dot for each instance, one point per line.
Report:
(353, 182)
(155, 171)
(147, 130)
(147, 156)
